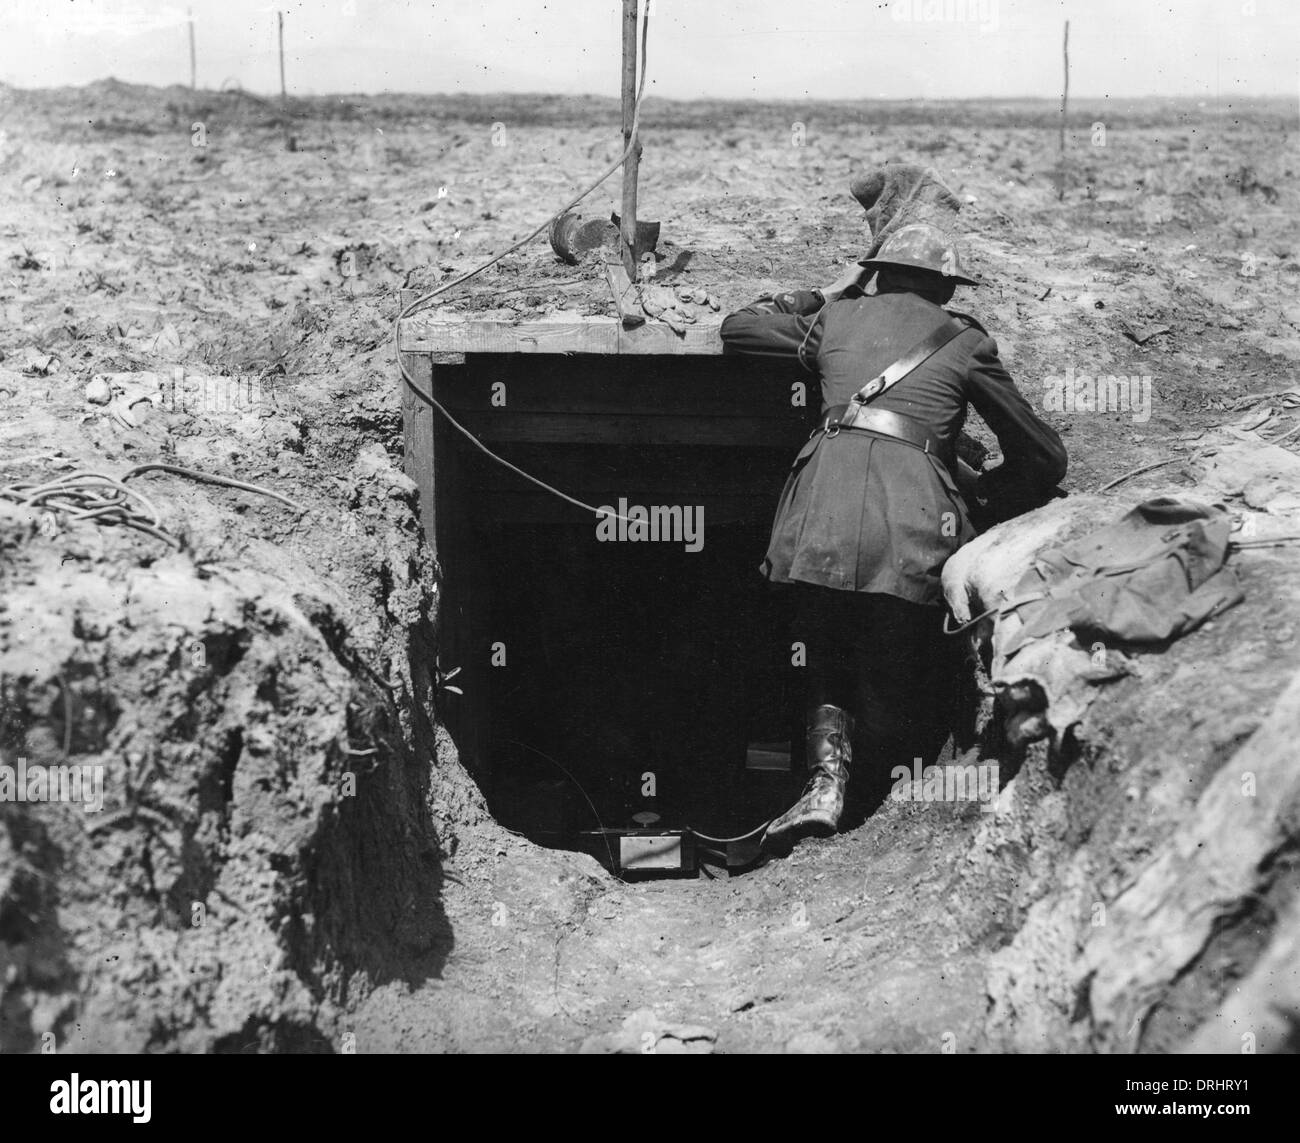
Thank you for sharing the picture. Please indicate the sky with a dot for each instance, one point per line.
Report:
(732, 49)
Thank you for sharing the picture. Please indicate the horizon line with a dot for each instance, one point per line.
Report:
(1198, 98)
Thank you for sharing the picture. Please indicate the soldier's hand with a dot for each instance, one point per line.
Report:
(852, 276)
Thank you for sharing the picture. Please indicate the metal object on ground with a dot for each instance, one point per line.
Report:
(643, 850)
(571, 238)
(651, 851)
(647, 236)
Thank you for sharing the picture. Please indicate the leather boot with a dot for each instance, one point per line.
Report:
(829, 753)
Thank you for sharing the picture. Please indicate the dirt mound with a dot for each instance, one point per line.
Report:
(237, 886)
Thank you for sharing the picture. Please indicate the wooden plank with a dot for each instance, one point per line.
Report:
(644, 474)
(656, 338)
(668, 429)
(609, 491)
(541, 508)
(465, 611)
(579, 398)
(762, 477)
(426, 333)
(649, 385)
(417, 442)
(625, 297)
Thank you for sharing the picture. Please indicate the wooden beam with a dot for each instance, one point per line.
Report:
(524, 507)
(683, 429)
(625, 297)
(652, 403)
(656, 338)
(643, 387)
(423, 333)
(465, 612)
(417, 441)
(761, 478)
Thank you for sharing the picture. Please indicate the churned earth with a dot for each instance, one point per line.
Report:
(292, 857)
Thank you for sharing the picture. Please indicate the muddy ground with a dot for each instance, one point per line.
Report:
(291, 856)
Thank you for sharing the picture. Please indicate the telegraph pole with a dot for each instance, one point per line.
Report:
(1065, 96)
(279, 17)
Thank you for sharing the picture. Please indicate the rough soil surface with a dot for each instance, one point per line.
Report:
(291, 856)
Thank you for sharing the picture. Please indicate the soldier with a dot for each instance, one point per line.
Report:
(871, 510)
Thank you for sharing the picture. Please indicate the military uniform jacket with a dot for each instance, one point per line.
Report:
(866, 512)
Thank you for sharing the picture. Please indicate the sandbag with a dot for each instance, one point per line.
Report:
(895, 195)
(1152, 576)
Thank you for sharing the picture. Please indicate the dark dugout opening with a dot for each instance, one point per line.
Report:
(607, 679)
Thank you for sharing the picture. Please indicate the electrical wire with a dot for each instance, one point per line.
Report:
(419, 303)
(1137, 472)
(1264, 542)
(208, 478)
(91, 496)
(96, 496)
(725, 840)
(604, 833)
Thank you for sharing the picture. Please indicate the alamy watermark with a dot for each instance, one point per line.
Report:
(981, 12)
(1085, 393)
(77, 1096)
(38, 783)
(178, 392)
(952, 783)
(659, 523)
(193, 392)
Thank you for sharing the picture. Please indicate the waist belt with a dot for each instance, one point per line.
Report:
(882, 421)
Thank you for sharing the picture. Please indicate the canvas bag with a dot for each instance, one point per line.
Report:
(1152, 576)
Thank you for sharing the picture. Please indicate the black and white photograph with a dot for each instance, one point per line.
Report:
(650, 527)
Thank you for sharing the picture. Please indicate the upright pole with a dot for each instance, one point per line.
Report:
(1065, 96)
(194, 83)
(632, 162)
(279, 16)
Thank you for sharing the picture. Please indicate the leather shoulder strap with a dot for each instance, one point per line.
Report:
(968, 319)
(917, 355)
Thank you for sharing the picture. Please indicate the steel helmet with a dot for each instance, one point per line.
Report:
(920, 247)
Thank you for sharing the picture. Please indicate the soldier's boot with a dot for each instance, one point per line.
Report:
(818, 810)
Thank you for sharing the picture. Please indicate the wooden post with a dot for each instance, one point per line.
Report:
(1065, 97)
(279, 17)
(193, 68)
(631, 163)
(417, 442)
